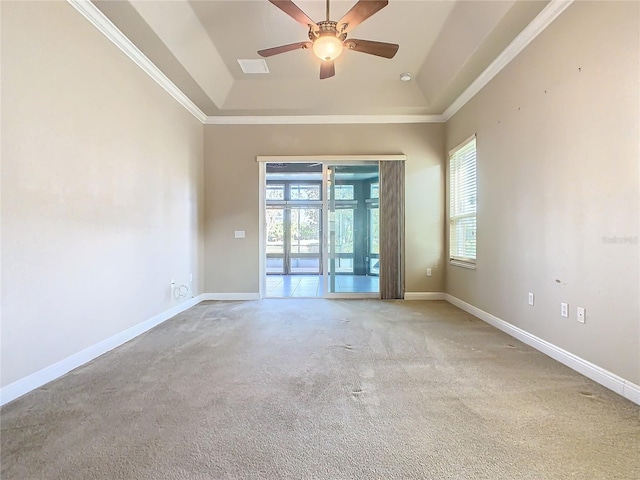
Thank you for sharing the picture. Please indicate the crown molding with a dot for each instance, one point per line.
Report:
(321, 119)
(89, 11)
(329, 158)
(531, 31)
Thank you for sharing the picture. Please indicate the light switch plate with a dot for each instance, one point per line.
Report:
(581, 315)
(239, 234)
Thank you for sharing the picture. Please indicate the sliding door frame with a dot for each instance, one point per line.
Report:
(326, 160)
(327, 233)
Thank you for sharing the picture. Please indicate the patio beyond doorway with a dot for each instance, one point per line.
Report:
(306, 286)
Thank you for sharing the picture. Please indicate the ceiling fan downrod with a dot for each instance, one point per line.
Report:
(326, 40)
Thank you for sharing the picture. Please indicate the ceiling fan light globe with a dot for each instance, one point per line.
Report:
(327, 47)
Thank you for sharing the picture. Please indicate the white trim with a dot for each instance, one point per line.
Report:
(20, 387)
(325, 226)
(328, 158)
(230, 296)
(424, 296)
(262, 226)
(462, 144)
(548, 14)
(109, 30)
(632, 392)
(530, 32)
(321, 119)
(604, 377)
(58, 369)
(470, 265)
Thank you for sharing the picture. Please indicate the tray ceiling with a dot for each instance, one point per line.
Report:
(445, 45)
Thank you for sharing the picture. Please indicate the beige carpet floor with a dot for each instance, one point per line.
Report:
(321, 389)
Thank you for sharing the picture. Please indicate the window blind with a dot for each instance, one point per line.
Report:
(463, 203)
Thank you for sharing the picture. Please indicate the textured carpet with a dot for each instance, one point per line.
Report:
(321, 389)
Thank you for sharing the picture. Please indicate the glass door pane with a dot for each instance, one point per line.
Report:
(374, 240)
(343, 240)
(305, 240)
(352, 236)
(373, 229)
(275, 230)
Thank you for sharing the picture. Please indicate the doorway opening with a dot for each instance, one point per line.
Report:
(321, 229)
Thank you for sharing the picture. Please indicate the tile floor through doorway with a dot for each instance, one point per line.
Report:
(281, 286)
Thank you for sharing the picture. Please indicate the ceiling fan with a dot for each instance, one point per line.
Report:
(329, 38)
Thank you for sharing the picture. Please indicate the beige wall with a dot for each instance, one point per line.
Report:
(558, 157)
(232, 187)
(101, 189)
(104, 199)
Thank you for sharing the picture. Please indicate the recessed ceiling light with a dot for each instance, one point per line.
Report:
(405, 77)
(252, 65)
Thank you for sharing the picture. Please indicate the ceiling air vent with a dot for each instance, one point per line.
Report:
(250, 65)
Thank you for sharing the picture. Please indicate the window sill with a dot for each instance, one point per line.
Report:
(460, 263)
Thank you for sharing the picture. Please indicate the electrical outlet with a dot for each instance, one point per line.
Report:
(191, 277)
(581, 315)
(564, 310)
(530, 298)
(428, 272)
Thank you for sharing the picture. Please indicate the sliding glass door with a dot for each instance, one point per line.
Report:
(322, 229)
(293, 227)
(352, 228)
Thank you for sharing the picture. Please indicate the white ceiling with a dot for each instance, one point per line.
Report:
(445, 45)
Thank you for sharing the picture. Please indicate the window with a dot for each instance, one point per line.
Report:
(463, 202)
(304, 192)
(275, 192)
(374, 190)
(343, 192)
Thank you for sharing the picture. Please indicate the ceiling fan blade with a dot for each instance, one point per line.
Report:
(269, 52)
(381, 49)
(360, 12)
(291, 9)
(327, 69)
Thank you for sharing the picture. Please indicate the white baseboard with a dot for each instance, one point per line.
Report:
(631, 392)
(618, 384)
(623, 387)
(58, 369)
(230, 296)
(424, 296)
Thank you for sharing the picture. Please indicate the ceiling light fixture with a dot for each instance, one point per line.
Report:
(327, 47)
(327, 42)
(405, 77)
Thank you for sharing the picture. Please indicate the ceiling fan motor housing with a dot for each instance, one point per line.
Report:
(326, 27)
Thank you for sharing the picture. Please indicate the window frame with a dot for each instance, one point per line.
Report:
(455, 217)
